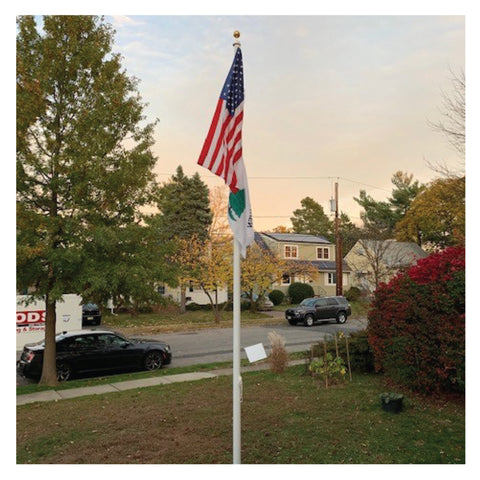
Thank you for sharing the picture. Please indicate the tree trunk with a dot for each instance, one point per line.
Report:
(49, 367)
(217, 313)
(183, 298)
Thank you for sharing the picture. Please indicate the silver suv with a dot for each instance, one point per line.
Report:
(319, 308)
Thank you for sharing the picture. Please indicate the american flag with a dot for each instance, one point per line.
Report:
(222, 152)
(223, 146)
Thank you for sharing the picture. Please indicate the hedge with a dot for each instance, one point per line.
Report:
(276, 297)
(417, 324)
(299, 291)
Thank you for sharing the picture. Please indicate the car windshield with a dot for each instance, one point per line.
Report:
(308, 302)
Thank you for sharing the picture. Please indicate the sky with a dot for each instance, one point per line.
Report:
(332, 94)
(328, 98)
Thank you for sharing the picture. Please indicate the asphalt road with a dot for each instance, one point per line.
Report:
(215, 345)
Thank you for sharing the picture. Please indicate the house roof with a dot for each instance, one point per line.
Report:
(325, 265)
(296, 238)
(261, 242)
(395, 254)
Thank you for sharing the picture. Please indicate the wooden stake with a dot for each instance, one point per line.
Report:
(348, 359)
(325, 362)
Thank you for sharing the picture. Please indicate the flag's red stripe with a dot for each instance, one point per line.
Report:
(222, 147)
(238, 120)
(233, 183)
(233, 152)
(220, 168)
(237, 139)
(211, 132)
(220, 140)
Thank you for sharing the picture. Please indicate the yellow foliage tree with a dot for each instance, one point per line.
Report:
(436, 217)
(259, 271)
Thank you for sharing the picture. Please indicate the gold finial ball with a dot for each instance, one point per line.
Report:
(236, 34)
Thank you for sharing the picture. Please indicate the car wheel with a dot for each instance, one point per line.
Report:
(64, 371)
(308, 322)
(153, 360)
(341, 317)
(292, 322)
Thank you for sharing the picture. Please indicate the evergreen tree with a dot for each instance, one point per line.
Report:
(185, 216)
(403, 195)
(311, 219)
(83, 160)
(380, 217)
(350, 233)
(184, 208)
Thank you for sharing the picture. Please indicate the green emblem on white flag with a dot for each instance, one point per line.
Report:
(236, 205)
(240, 217)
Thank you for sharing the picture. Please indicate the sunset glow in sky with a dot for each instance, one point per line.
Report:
(327, 98)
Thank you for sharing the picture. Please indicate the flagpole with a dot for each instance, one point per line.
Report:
(237, 379)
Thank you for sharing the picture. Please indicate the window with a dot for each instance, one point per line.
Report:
(285, 280)
(110, 340)
(331, 278)
(81, 342)
(323, 253)
(161, 289)
(290, 251)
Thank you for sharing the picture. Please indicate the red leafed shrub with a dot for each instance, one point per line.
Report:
(417, 324)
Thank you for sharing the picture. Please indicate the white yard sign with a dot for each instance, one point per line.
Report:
(255, 352)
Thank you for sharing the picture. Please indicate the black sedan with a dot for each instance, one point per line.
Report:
(95, 351)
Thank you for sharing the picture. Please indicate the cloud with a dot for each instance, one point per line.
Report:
(120, 21)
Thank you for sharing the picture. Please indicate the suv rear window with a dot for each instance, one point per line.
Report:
(332, 301)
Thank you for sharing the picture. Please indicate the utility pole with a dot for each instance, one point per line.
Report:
(338, 247)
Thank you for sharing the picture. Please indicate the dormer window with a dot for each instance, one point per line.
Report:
(290, 251)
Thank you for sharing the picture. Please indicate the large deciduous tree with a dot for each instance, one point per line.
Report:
(437, 215)
(452, 123)
(83, 153)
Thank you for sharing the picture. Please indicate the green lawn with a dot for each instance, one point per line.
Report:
(173, 321)
(286, 418)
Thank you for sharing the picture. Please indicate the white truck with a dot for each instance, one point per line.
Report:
(31, 318)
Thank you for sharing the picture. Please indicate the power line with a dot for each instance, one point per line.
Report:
(299, 178)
